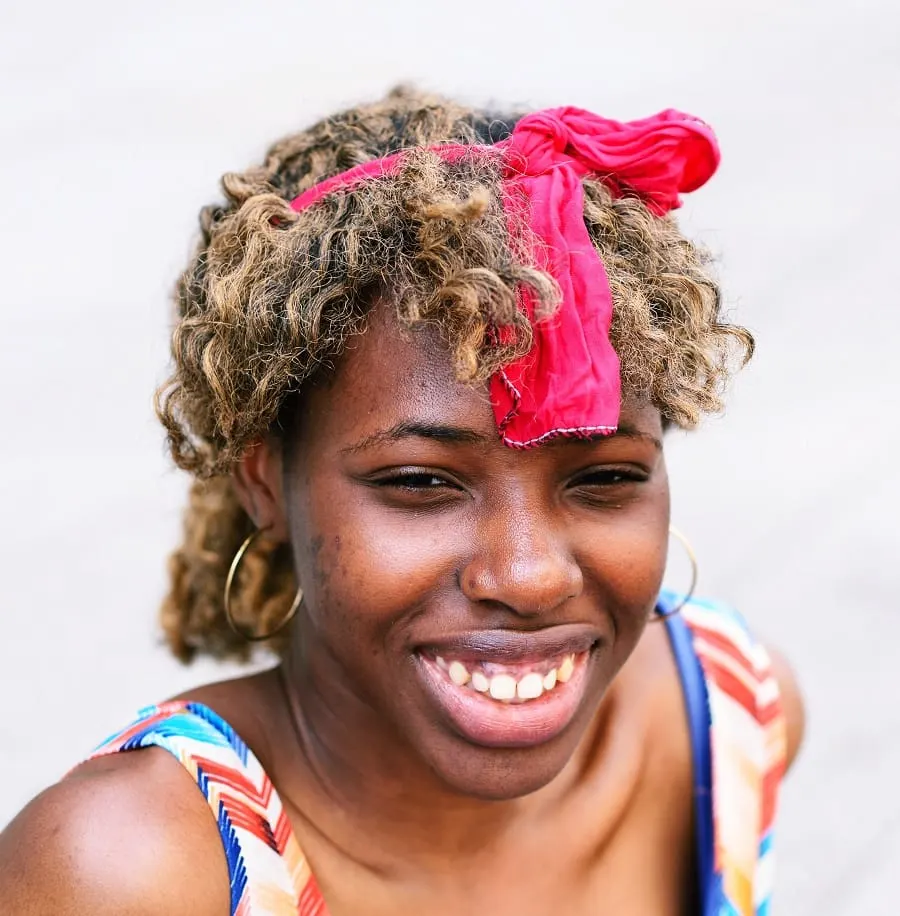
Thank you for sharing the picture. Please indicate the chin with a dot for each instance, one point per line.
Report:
(502, 775)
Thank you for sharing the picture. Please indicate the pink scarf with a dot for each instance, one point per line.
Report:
(568, 383)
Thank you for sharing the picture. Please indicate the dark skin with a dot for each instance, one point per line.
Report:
(411, 524)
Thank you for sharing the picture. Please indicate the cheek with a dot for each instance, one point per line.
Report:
(627, 560)
(369, 563)
(634, 572)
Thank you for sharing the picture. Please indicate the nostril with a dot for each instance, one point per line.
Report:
(522, 563)
(528, 587)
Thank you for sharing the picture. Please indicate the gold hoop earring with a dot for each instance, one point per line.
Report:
(656, 616)
(229, 609)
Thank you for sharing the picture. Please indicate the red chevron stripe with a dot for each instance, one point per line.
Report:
(767, 713)
(311, 902)
(729, 684)
(125, 736)
(771, 782)
(242, 815)
(282, 832)
(223, 774)
(727, 646)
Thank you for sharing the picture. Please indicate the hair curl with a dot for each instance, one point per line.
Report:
(271, 297)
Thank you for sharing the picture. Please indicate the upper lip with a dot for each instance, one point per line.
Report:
(516, 646)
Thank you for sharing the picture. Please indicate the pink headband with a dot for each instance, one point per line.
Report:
(568, 383)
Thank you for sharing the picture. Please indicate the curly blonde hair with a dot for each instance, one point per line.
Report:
(271, 296)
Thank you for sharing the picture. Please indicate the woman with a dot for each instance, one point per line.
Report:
(424, 360)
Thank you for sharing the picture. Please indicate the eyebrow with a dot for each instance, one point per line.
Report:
(460, 435)
(409, 429)
(627, 431)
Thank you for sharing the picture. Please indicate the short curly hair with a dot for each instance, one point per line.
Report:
(271, 296)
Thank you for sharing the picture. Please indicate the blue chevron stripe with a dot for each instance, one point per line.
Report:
(237, 869)
(222, 728)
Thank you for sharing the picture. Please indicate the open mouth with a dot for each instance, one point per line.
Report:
(497, 703)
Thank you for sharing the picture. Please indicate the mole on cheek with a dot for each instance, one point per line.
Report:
(315, 554)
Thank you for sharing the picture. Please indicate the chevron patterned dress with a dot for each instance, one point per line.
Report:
(738, 739)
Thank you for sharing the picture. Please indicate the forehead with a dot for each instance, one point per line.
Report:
(390, 367)
(391, 373)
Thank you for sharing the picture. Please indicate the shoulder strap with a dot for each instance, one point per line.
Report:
(696, 700)
(748, 751)
(267, 870)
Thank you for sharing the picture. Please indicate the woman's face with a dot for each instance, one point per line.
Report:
(475, 600)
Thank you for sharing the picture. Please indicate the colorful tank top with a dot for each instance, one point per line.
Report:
(738, 746)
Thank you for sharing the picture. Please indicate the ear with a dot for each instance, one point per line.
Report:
(258, 483)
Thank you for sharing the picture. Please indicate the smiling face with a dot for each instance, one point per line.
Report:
(465, 604)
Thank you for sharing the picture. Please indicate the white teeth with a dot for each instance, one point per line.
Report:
(530, 687)
(480, 682)
(458, 674)
(566, 669)
(503, 687)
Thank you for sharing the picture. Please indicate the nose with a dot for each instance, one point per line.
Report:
(521, 561)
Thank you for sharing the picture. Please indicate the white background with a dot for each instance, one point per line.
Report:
(118, 118)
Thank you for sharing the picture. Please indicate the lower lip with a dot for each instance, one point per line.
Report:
(490, 723)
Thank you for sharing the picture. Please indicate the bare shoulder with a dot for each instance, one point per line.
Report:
(127, 835)
(791, 702)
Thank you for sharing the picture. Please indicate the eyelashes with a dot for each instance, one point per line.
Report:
(431, 484)
(415, 480)
(610, 477)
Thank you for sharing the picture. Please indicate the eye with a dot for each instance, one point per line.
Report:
(417, 488)
(414, 481)
(608, 485)
(609, 477)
